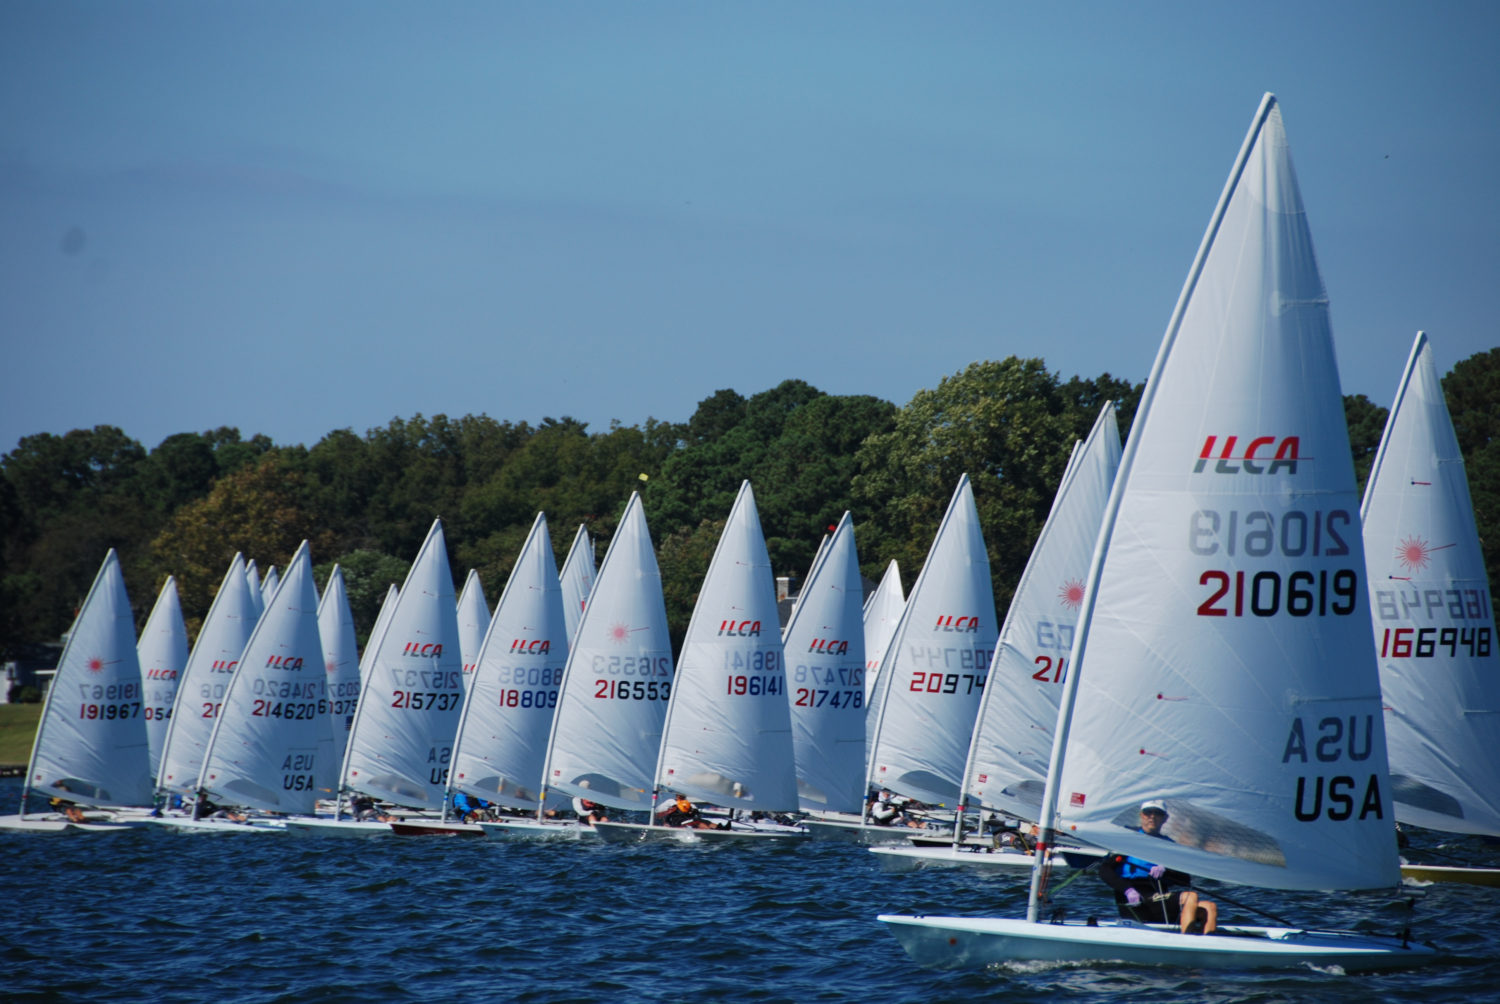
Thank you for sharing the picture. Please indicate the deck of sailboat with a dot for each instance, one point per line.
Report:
(966, 942)
(632, 833)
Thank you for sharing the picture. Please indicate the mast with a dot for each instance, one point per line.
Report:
(1040, 866)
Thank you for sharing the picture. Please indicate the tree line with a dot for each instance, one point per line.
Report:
(366, 501)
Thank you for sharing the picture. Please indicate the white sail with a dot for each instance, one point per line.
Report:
(501, 745)
(340, 659)
(257, 599)
(1012, 742)
(728, 735)
(1434, 619)
(1224, 661)
(163, 654)
(210, 666)
(402, 739)
(607, 730)
(473, 622)
(273, 732)
(882, 614)
(936, 663)
(382, 620)
(91, 744)
(825, 657)
(577, 578)
(268, 586)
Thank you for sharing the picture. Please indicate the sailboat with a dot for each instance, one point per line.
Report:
(210, 666)
(1223, 662)
(727, 739)
(615, 687)
(401, 743)
(91, 747)
(935, 667)
(1434, 624)
(340, 655)
(163, 653)
(268, 586)
(377, 630)
(501, 742)
(473, 622)
(881, 616)
(577, 578)
(257, 597)
(271, 750)
(1006, 768)
(825, 652)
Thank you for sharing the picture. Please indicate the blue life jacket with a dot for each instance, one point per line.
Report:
(1138, 868)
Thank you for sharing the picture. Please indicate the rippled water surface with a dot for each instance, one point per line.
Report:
(156, 916)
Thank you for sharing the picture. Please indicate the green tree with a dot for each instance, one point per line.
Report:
(368, 576)
(1472, 390)
(1366, 421)
(263, 511)
(1010, 426)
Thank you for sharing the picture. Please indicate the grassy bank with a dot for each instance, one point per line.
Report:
(17, 729)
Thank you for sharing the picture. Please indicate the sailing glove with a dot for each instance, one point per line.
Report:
(1157, 871)
(1132, 897)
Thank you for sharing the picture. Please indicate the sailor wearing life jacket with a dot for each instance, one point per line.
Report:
(1143, 889)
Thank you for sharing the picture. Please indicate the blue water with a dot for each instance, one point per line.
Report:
(155, 916)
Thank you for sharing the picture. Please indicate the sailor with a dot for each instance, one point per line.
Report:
(683, 813)
(1143, 889)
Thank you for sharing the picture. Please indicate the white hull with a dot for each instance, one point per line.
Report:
(634, 833)
(57, 824)
(185, 824)
(910, 858)
(311, 826)
(974, 855)
(974, 942)
(852, 832)
(530, 829)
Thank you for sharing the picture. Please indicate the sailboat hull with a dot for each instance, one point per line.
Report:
(318, 826)
(1451, 873)
(530, 829)
(57, 824)
(852, 832)
(634, 833)
(974, 942)
(910, 858)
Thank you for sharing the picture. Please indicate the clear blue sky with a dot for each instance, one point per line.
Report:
(294, 217)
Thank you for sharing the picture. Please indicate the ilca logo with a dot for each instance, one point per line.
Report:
(1262, 455)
